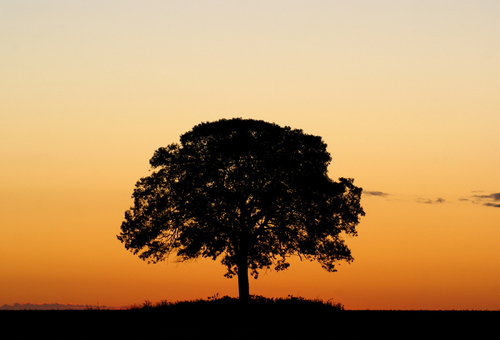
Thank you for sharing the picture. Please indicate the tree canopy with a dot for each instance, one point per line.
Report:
(249, 192)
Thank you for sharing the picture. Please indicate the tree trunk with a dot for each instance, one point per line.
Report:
(243, 283)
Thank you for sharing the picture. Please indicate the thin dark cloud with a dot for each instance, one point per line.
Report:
(491, 200)
(494, 205)
(375, 193)
(430, 201)
(496, 196)
(476, 197)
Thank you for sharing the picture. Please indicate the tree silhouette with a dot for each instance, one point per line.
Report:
(249, 192)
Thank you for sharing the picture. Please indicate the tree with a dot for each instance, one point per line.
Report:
(249, 192)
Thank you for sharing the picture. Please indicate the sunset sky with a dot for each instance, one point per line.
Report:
(404, 93)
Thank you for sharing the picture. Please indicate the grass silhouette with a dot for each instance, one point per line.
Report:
(257, 302)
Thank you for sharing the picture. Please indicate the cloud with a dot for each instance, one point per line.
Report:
(476, 197)
(495, 205)
(429, 201)
(375, 193)
(491, 200)
(494, 196)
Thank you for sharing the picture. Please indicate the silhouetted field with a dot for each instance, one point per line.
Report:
(262, 318)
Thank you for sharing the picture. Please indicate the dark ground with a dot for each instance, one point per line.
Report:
(211, 321)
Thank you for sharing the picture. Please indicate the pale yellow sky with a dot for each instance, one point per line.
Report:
(405, 94)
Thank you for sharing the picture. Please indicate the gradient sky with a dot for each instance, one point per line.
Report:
(405, 94)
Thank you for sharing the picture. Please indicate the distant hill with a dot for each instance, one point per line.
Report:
(50, 306)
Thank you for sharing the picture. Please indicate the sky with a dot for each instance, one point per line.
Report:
(404, 93)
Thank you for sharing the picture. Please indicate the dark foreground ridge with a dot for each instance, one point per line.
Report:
(262, 318)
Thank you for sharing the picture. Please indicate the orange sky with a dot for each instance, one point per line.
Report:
(405, 94)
